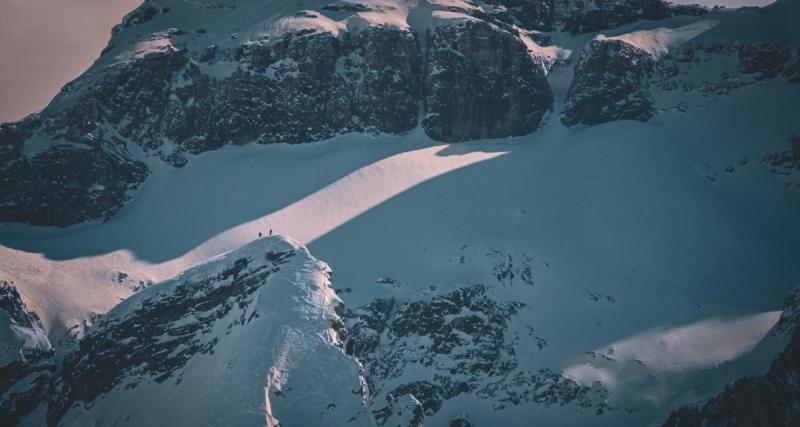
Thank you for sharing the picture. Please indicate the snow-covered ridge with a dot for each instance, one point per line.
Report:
(250, 337)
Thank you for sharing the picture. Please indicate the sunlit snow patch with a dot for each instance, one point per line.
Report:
(649, 364)
(323, 211)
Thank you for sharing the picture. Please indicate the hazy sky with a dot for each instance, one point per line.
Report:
(46, 43)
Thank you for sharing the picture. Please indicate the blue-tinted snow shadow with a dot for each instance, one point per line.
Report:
(178, 209)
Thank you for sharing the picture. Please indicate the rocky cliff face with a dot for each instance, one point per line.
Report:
(249, 338)
(481, 82)
(610, 83)
(25, 359)
(167, 87)
(301, 87)
(578, 16)
(66, 184)
(445, 345)
(616, 77)
(583, 16)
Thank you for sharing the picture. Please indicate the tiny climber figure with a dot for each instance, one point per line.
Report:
(259, 234)
(270, 232)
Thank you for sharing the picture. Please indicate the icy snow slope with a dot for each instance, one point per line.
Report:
(634, 268)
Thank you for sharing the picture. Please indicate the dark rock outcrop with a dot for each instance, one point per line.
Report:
(461, 421)
(305, 88)
(11, 303)
(785, 165)
(403, 411)
(28, 363)
(145, 12)
(766, 58)
(481, 82)
(579, 16)
(584, 16)
(24, 385)
(66, 185)
(610, 83)
(437, 347)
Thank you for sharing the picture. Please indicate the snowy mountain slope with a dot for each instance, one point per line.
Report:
(640, 251)
(248, 338)
(181, 77)
(541, 212)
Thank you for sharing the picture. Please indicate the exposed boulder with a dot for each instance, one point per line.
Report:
(610, 83)
(461, 421)
(145, 12)
(300, 87)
